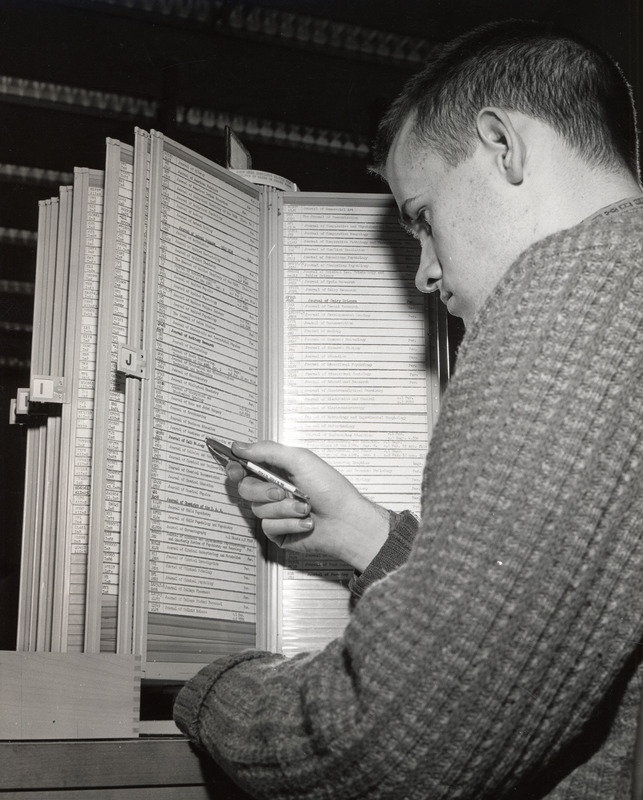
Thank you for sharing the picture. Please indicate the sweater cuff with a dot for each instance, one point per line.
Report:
(393, 553)
(189, 701)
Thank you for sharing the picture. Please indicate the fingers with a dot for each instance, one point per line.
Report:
(284, 519)
(267, 452)
(287, 531)
(253, 489)
(235, 471)
(267, 500)
(284, 509)
(287, 521)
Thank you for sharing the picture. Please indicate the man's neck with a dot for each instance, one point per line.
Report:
(625, 205)
(607, 191)
(584, 194)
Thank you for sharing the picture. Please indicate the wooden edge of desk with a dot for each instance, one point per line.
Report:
(169, 761)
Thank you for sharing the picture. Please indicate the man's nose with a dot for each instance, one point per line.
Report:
(429, 271)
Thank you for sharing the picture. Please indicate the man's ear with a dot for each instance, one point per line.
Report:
(498, 135)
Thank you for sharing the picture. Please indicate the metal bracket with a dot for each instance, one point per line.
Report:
(19, 407)
(131, 361)
(48, 389)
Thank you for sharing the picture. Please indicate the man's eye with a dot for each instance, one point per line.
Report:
(412, 232)
(417, 228)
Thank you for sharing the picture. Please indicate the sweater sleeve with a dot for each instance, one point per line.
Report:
(393, 553)
(472, 669)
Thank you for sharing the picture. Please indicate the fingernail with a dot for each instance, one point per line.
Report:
(276, 494)
(241, 445)
(301, 508)
(306, 523)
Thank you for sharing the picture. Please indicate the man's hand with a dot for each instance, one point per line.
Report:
(338, 521)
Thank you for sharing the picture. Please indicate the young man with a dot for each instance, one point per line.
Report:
(494, 650)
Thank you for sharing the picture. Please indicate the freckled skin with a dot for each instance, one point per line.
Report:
(472, 241)
(520, 184)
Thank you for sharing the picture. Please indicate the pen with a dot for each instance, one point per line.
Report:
(223, 453)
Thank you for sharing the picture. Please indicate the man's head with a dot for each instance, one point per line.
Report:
(524, 66)
(510, 133)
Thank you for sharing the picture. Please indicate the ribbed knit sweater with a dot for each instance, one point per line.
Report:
(500, 659)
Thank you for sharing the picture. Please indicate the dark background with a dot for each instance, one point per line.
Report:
(303, 82)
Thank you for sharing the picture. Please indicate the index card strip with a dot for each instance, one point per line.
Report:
(80, 367)
(355, 380)
(35, 452)
(48, 333)
(201, 340)
(132, 621)
(270, 299)
(69, 324)
(109, 405)
(50, 555)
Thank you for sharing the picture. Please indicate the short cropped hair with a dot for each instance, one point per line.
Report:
(524, 66)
